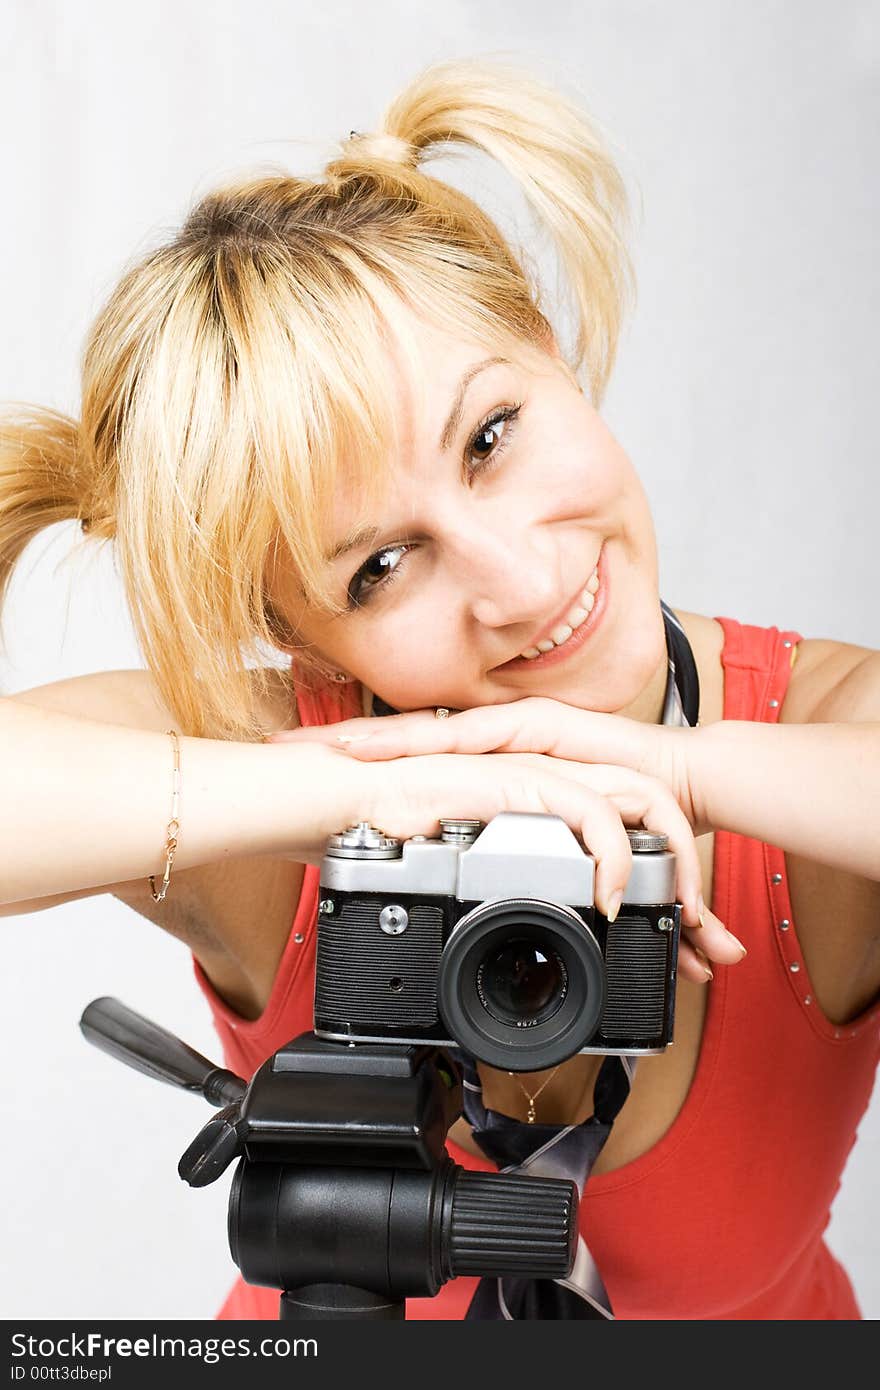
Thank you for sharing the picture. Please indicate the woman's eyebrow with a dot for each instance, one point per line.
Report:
(366, 535)
(454, 419)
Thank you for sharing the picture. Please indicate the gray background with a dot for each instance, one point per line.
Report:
(747, 133)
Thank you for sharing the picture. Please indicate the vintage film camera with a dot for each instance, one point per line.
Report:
(488, 938)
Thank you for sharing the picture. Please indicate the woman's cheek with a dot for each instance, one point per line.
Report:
(407, 662)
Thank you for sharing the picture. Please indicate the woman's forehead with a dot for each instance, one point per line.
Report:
(427, 361)
(430, 373)
(428, 409)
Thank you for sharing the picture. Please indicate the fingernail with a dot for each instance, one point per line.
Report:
(736, 941)
(352, 738)
(613, 906)
(701, 910)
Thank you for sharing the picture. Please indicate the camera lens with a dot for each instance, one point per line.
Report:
(520, 983)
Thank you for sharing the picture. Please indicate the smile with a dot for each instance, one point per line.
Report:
(573, 628)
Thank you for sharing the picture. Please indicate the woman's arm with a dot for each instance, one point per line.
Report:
(84, 804)
(811, 789)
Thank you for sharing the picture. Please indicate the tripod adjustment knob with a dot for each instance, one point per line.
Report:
(503, 1225)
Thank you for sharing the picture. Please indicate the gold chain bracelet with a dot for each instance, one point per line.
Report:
(173, 827)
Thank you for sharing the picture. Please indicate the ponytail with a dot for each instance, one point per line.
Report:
(553, 151)
(40, 478)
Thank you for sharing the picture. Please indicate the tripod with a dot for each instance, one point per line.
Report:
(344, 1197)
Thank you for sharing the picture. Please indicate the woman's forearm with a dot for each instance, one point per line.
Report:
(83, 804)
(811, 789)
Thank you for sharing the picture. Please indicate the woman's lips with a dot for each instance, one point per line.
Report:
(577, 639)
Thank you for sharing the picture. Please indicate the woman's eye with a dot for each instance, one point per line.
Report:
(379, 570)
(492, 437)
(484, 450)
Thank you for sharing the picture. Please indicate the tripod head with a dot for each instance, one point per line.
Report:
(344, 1197)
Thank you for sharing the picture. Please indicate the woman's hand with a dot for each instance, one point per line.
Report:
(405, 796)
(532, 725)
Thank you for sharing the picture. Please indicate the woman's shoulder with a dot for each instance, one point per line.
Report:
(832, 682)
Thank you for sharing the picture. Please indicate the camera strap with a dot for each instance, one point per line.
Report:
(681, 704)
(569, 1151)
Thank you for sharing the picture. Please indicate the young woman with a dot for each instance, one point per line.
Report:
(329, 417)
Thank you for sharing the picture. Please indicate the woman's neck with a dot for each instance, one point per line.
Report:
(706, 638)
(648, 706)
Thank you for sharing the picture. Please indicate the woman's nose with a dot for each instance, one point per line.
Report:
(510, 579)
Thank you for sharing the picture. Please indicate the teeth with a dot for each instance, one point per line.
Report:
(573, 620)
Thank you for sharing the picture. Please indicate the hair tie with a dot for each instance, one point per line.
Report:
(392, 149)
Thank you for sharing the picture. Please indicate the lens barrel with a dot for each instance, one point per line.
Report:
(521, 983)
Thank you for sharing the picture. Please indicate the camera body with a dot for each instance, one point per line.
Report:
(488, 938)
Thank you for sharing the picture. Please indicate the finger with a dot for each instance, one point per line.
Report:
(413, 791)
(409, 792)
(591, 816)
(653, 805)
(643, 800)
(481, 730)
(531, 725)
(332, 734)
(638, 800)
(534, 724)
(408, 795)
(692, 963)
(663, 815)
(716, 941)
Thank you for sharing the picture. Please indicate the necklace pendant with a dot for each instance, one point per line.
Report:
(530, 1117)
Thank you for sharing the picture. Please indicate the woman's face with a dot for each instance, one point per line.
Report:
(508, 493)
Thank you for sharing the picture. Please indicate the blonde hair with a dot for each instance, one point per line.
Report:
(232, 382)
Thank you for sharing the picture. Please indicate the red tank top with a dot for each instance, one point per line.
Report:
(724, 1217)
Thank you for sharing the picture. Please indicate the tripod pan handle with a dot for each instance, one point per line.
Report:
(139, 1043)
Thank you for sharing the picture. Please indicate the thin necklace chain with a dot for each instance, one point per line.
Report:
(530, 1117)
